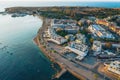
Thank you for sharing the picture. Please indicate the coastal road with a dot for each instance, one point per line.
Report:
(80, 65)
(81, 71)
(104, 70)
(55, 47)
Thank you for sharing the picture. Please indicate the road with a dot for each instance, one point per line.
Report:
(104, 70)
(80, 70)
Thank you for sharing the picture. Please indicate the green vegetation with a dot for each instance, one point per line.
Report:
(91, 40)
(44, 46)
(109, 40)
(96, 76)
(61, 33)
(67, 12)
(103, 13)
(53, 14)
(84, 32)
(115, 19)
(65, 44)
(108, 45)
(53, 51)
(77, 14)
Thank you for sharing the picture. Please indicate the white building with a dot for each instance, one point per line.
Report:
(70, 37)
(80, 38)
(100, 32)
(55, 38)
(80, 49)
(65, 24)
(114, 67)
(71, 29)
(97, 47)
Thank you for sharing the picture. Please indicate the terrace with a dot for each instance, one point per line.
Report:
(114, 67)
(56, 38)
(80, 49)
(100, 32)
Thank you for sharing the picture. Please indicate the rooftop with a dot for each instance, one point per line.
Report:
(98, 27)
(64, 21)
(97, 43)
(78, 46)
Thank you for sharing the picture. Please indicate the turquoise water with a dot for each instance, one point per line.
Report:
(20, 58)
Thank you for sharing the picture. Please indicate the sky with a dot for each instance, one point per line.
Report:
(67, 0)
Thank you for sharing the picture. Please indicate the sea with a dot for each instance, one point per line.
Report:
(20, 58)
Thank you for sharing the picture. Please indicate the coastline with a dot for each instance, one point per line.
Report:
(50, 57)
(41, 47)
(64, 64)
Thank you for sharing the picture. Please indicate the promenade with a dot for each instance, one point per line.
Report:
(104, 70)
(77, 70)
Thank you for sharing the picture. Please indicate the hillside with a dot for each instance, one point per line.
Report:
(66, 12)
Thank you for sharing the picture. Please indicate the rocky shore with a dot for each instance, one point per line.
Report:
(78, 71)
(41, 46)
(38, 41)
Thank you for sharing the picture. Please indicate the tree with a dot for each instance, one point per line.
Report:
(78, 32)
(67, 11)
(96, 76)
(72, 13)
(62, 33)
(91, 40)
(108, 45)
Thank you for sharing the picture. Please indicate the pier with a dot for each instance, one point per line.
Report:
(59, 74)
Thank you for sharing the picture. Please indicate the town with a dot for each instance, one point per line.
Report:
(91, 42)
(81, 40)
